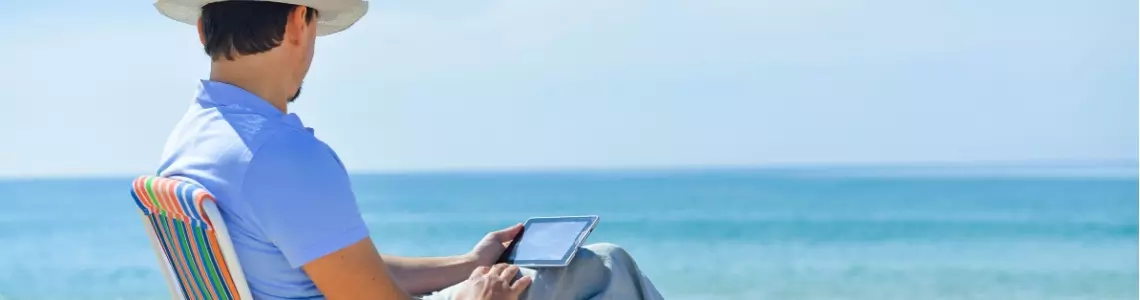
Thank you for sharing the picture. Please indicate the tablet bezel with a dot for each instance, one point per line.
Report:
(591, 222)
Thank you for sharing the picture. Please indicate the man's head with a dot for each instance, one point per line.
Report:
(281, 34)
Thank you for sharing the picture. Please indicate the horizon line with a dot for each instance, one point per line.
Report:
(971, 168)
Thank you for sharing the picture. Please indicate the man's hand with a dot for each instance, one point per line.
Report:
(488, 250)
(493, 283)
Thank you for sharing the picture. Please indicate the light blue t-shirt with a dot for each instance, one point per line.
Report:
(284, 195)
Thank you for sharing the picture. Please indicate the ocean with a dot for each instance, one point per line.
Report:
(718, 234)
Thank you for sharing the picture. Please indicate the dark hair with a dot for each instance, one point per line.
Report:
(245, 27)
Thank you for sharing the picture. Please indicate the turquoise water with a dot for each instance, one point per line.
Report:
(698, 235)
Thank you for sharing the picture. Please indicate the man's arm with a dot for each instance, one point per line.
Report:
(419, 275)
(354, 272)
(301, 198)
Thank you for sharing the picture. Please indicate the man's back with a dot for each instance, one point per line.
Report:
(283, 193)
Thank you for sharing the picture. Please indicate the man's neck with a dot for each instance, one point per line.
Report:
(258, 76)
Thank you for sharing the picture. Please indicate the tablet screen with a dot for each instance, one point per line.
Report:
(548, 240)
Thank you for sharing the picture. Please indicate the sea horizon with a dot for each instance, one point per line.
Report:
(934, 170)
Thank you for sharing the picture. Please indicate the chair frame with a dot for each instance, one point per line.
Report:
(221, 232)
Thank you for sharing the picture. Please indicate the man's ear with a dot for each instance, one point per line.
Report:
(296, 27)
(201, 32)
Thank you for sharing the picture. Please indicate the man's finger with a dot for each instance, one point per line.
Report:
(509, 273)
(508, 233)
(520, 285)
(497, 269)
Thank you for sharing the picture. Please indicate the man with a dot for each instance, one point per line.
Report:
(286, 196)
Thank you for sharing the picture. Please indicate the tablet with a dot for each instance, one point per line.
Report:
(549, 241)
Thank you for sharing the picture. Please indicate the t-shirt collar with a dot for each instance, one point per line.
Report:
(224, 94)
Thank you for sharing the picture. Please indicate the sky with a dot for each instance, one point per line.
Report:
(94, 87)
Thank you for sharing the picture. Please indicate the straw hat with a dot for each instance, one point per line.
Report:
(335, 15)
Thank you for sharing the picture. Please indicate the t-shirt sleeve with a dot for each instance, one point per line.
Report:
(301, 198)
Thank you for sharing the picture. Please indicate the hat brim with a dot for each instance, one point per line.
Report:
(329, 22)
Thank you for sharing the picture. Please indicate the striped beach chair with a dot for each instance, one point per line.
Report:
(190, 239)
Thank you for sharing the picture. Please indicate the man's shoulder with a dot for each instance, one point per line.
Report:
(288, 151)
(224, 142)
(255, 130)
(236, 125)
(288, 145)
